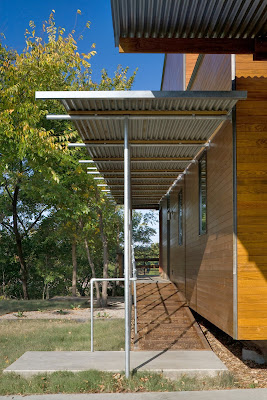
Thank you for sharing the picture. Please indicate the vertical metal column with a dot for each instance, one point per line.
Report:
(127, 245)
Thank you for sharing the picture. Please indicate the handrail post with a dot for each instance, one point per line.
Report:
(135, 298)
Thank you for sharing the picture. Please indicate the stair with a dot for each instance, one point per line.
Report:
(164, 320)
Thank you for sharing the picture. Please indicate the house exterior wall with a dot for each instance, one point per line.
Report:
(164, 244)
(190, 62)
(173, 74)
(214, 73)
(177, 252)
(177, 71)
(251, 133)
(203, 266)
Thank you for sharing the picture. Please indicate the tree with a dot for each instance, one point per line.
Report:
(34, 156)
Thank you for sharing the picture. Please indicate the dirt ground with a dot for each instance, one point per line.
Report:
(114, 310)
(248, 373)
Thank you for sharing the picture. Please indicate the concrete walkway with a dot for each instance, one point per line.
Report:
(244, 394)
(171, 363)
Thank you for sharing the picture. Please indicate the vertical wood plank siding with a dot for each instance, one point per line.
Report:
(252, 199)
(209, 257)
(177, 253)
(190, 62)
(164, 245)
(173, 72)
(214, 73)
(203, 266)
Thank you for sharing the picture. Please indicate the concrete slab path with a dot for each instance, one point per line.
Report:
(239, 394)
(171, 363)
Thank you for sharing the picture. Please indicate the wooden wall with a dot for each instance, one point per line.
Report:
(214, 73)
(177, 252)
(203, 266)
(164, 244)
(173, 75)
(177, 67)
(207, 261)
(190, 62)
(209, 257)
(252, 199)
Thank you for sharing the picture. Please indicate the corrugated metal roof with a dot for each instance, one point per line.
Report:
(189, 18)
(154, 167)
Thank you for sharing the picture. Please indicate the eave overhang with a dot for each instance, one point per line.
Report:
(191, 26)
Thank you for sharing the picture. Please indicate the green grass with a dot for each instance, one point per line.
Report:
(8, 306)
(19, 336)
(96, 381)
(16, 337)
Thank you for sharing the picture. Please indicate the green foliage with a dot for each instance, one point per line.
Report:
(47, 200)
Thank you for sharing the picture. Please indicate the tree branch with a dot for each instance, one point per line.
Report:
(8, 192)
(21, 223)
(36, 220)
(7, 226)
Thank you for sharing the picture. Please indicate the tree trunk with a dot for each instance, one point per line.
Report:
(92, 266)
(44, 290)
(47, 292)
(23, 265)
(105, 259)
(74, 267)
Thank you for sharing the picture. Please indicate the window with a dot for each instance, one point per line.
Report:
(180, 218)
(202, 165)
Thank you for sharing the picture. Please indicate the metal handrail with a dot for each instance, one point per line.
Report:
(92, 301)
(134, 284)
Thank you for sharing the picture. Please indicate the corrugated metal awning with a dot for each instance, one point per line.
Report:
(166, 131)
(189, 18)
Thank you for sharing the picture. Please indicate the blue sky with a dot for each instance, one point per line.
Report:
(16, 14)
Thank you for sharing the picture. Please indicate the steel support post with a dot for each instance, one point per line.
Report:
(127, 246)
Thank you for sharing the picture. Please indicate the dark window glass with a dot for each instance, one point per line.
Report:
(203, 194)
(180, 218)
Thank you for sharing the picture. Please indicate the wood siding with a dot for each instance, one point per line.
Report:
(164, 244)
(252, 199)
(214, 73)
(209, 257)
(177, 68)
(173, 76)
(190, 62)
(177, 252)
(203, 266)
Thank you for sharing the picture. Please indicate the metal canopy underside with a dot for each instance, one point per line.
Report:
(189, 19)
(167, 130)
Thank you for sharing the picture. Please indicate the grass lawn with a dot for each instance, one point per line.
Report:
(19, 336)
